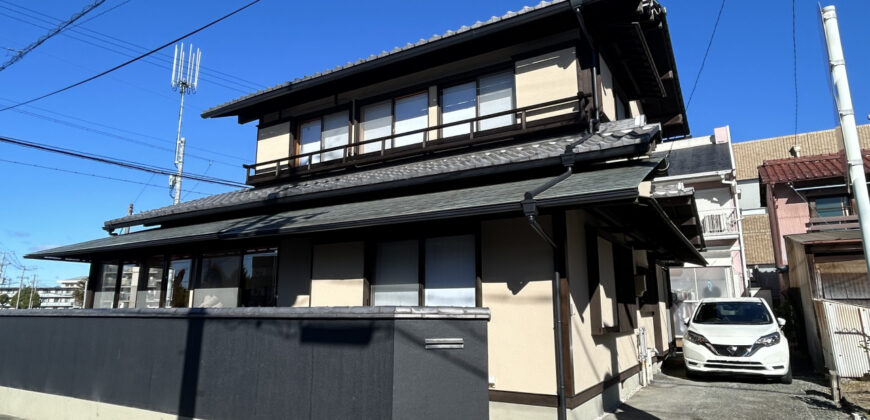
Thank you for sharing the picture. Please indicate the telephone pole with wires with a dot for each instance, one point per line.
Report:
(185, 76)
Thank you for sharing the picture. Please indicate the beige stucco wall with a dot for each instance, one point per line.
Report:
(608, 96)
(337, 274)
(544, 78)
(273, 142)
(516, 280)
(595, 357)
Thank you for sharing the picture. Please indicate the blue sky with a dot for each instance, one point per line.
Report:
(747, 83)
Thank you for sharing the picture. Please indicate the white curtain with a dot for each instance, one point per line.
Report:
(377, 122)
(496, 95)
(335, 133)
(309, 139)
(396, 274)
(458, 103)
(412, 113)
(450, 271)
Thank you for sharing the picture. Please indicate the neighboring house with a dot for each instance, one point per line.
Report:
(57, 297)
(806, 194)
(704, 166)
(505, 166)
(748, 156)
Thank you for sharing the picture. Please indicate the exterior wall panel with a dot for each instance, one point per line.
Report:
(273, 142)
(517, 271)
(544, 78)
(337, 276)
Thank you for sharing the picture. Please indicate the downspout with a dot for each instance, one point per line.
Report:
(577, 5)
(531, 211)
(739, 211)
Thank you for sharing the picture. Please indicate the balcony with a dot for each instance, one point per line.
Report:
(717, 222)
(820, 224)
(525, 120)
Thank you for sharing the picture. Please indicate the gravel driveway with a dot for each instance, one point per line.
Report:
(672, 396)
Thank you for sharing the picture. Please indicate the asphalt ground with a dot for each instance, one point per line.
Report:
(672, 396)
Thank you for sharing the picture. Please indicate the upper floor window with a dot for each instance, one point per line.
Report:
(836, 206)
(327, 132)
(394, 116)
(487, 95)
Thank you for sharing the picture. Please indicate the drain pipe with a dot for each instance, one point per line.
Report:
(577, 5)
(531, 211)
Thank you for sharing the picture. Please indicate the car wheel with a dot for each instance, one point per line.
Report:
(786, 379)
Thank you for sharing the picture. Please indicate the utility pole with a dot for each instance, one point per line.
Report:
(129, 213)
(843, 98)
(184, 79)
(30, 296)
(20, 286)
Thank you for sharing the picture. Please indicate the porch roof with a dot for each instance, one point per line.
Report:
(596, 187)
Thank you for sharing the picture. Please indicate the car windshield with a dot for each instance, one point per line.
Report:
(732, 313)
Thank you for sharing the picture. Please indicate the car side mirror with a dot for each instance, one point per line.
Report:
(686, 321)
(781, 322)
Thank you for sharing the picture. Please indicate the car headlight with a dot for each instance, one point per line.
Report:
(768, 340)
(696, 338)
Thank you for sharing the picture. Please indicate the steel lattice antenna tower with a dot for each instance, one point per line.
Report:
(185, 76)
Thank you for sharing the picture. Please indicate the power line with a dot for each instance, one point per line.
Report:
(117, 162)
(134, 133)
(201, 28)
(129, 181)
(50, 34)
(125, 45)
(116, 136)
(100, 14)
(707, 52)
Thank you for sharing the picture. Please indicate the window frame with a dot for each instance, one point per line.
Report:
(296, 129)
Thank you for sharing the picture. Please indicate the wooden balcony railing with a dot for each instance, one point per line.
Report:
(525, 119)
(819, 224)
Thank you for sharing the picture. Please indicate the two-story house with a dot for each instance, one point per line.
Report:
(506, 165)
(704, 167)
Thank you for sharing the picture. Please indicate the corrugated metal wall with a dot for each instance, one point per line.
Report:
(845, 337)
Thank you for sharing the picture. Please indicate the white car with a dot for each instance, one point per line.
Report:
(736, 336)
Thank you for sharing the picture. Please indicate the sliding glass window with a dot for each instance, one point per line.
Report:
(396, 279)
(324, 133)
(412, 113)
(149, 296)
(104, 296)
(260, 274)
(377, 122)
(219, 284)
(489, 94)
(450, 271)
(129, 285)
(178, 289)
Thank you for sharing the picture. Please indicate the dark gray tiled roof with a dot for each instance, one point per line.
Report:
(697, 159)
(509, 14)
(610, 183)
(386, 176)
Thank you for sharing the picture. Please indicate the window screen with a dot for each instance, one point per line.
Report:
(496, 95)
(149, 296)
(104, 297)
(219, 284)
(335, 134)
(309, 140)
(178, 289)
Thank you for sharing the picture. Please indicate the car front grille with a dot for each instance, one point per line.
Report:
(732, 351)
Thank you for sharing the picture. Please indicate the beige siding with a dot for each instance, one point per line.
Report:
(337, 274)
(545, 78)
(597, 357)
(749, 155)
(516, 281)
(608, 96)
(273, 142)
